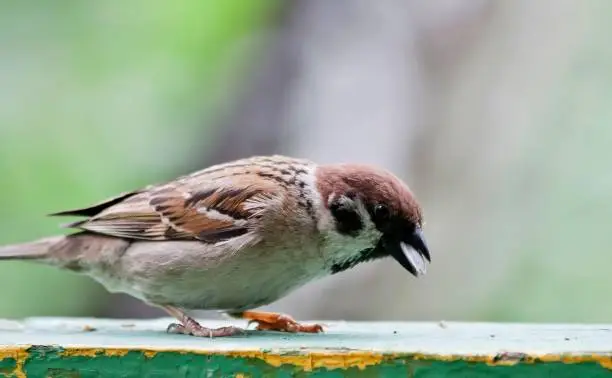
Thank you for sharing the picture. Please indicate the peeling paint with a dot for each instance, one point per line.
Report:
(94, 352)
(149, 353)
(380, 349)
(17, 354)
(309, 361)
(17, 361)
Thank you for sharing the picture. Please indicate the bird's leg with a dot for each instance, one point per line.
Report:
(272, 321)
(189, 326)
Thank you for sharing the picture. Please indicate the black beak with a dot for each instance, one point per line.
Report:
(410, 251)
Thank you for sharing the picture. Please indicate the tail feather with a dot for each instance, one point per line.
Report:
(75, 252)
(38, 249)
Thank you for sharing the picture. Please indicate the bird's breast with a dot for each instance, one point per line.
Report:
(193, 275)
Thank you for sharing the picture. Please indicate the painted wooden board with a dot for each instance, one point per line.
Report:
(57, 347)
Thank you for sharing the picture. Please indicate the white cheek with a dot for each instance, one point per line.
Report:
(340, 247)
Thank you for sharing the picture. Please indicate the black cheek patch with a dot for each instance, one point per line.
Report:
(348, 221)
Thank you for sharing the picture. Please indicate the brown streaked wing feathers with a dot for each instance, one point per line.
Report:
(170, 213)
(189, 215)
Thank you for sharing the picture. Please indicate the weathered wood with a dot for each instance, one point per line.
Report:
(57, 347)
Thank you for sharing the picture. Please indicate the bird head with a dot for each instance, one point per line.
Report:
(368, 200)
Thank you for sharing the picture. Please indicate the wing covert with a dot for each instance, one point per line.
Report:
(210, 213)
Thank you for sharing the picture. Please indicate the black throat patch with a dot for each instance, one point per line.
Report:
(369, 254)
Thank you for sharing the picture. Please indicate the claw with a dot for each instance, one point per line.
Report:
(175, 329)
(270, 321)
(191, 327)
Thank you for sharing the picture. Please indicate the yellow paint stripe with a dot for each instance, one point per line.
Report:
(311, 360)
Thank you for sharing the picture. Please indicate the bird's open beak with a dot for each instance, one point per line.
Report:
(410, 251)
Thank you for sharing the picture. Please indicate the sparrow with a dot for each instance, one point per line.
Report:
(237, 236)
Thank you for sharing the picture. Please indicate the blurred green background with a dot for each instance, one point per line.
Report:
(497, 113)
(99, 98)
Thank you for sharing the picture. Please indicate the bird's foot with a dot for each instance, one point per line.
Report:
(190, 326)
(271, 321)
(201, 331)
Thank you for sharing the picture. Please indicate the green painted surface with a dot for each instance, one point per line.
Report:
(124, 348)
(7, 365)
(48, 362)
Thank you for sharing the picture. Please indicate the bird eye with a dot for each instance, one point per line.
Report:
(381, 213)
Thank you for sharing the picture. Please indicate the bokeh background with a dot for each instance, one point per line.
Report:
(497, 113)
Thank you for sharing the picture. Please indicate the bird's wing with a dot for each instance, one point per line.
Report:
(191, 208)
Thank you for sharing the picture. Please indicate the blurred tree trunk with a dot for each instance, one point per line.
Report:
(363, 94)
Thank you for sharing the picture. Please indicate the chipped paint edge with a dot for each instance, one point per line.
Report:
(311, 360)
(20, 354)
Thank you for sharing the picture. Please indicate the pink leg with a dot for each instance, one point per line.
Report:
(273, 321)
(188, 326)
